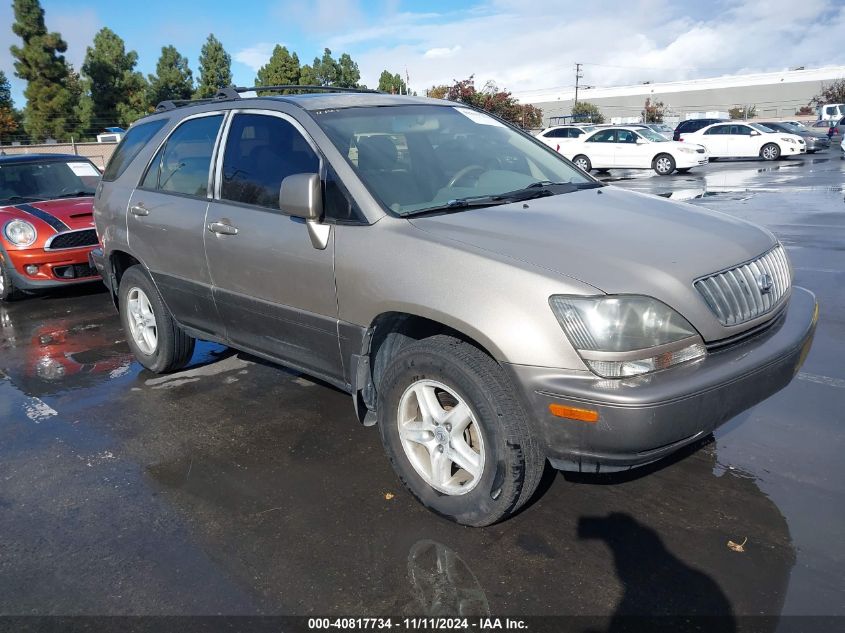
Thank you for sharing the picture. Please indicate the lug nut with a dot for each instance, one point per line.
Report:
(448, 427)
(439, 449)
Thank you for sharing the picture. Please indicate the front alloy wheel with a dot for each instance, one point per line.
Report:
(664, 164)
(770, 151)
(455, 431)
(441, 437)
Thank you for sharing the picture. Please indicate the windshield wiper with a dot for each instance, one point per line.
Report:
(73, 194)
(24, 199)
(539, 189)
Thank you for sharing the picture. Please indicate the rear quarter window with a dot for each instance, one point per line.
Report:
(130, 146)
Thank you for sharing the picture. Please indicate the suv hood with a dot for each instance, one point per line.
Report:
(616, 241)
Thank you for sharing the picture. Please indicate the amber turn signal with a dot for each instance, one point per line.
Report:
(573, 413)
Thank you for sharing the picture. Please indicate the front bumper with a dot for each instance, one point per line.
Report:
(55, 268)
(685, 161)
(817, 144)
(645, 418)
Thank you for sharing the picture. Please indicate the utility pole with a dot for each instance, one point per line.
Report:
(578, 76)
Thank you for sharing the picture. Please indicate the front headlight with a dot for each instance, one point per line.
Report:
(20, 233)
(687, 150)
(788, 140)
(626, 335)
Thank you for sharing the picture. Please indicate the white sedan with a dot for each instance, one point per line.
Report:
(745, 140)
(633, 148)
(557, 135)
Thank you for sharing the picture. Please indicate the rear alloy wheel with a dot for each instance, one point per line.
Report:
(770, 151)
(583, 163)
(8, 291)
(455, 432)
(155, 338)
(664, 164)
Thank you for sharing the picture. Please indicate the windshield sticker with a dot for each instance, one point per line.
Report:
(478, 117)
(83, 169)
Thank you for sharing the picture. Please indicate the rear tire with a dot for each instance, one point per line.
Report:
(425, 382)
(8, 290)
(663, 164)
(583, 163)
(770, 151)
(155, 338)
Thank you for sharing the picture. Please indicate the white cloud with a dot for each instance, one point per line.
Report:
(255, 56)
(440, 53)
(534, 46)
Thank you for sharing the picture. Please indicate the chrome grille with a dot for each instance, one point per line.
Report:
(736, 295)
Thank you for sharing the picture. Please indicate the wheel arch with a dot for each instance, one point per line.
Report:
(386, 335)
(119, 261)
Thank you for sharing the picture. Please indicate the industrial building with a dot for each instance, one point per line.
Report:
(774, 94)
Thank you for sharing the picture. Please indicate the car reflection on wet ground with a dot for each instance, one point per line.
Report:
(240, 487)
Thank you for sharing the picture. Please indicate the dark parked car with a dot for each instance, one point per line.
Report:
(816, 140)
(692, 125)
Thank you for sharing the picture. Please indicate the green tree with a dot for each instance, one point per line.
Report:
(393, 83)
(348, 73)
(215, 68)
(8, 118)
(39, 62)
(652, 111)
(282, 69)
(833, 92)
(118, 91)
(79, 127)
(173, 79)
(585, 111)
(326, 69)
(308, 76)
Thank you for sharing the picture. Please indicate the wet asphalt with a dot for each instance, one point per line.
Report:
(239, 487)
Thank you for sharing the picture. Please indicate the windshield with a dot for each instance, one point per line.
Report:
(419, 157)
(761, 128)
(791, 128)
(45, 181)
(652, 136)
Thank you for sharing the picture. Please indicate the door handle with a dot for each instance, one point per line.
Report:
(222, 228)
(139, 209)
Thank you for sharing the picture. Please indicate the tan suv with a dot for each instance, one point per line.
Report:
(489, 306)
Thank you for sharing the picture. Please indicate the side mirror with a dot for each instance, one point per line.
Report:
(300, 196)
(641, 141)
(755, 133)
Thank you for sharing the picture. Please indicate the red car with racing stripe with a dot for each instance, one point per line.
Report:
(46, 222)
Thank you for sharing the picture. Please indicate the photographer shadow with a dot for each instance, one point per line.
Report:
(643, 566)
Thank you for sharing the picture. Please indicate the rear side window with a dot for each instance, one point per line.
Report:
(129, 147)
(182, 164)
(261, 151)
(605, 136)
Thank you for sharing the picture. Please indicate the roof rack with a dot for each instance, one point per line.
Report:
(234, 92)
(297, 87)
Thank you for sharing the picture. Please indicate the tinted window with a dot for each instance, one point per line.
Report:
(261, 151)
(183, 162)
(719, 129)
(605, 136)
(741, 130)
(129, 147)
(558, 133)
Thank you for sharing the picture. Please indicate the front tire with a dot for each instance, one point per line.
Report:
(663, 164)
(455, 433)
(583, 163)
(770, 151)
(8, 290)
(155, 338)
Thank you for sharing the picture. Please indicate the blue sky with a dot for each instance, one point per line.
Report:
(522, 46)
